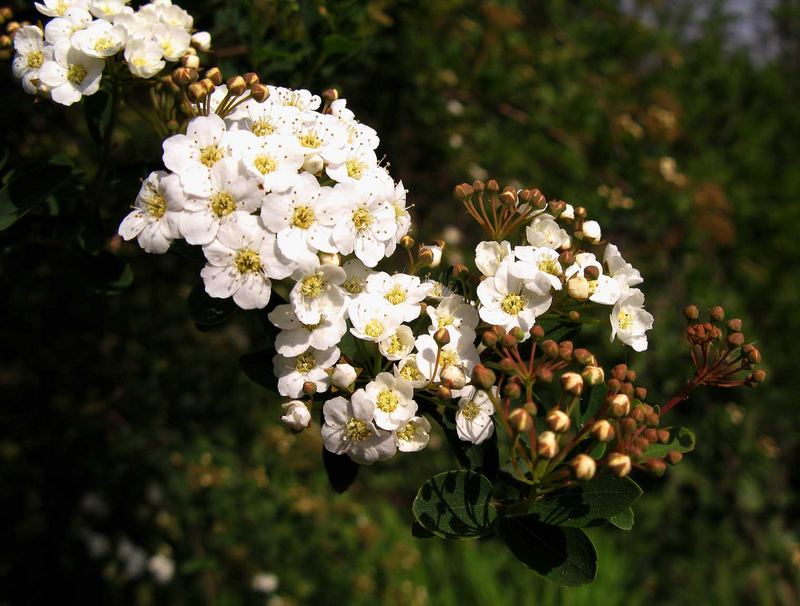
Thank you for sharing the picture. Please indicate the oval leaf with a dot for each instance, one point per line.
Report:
(680, 440)
(623, 520)
(564, 556)
(456, 504)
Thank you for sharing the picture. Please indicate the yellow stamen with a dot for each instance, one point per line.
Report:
(362, 218)
(387, 401)
(303, 217)
(373, 329)
(222, 204)
(512, 304)
(305, 363)
(76, 73)
(210, 155)
(265, 164)
(311, 286)
(247, 261)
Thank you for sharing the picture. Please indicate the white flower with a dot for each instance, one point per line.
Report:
(408, 370)
(591, 231)
(101, 39)
(568, 213)
(398, 345)
(173, 41)
(356, 281)
(454, 314)
(174, 16)
(349, 429)
(438, 290)
(201, 41)
(322, 135)
(303, 217)
(231, 189)
(401, 216)
(629, 320)
(622, 271)
(401, 290)
(373, 318)
(474, 416)
(162, 568)
(194, 154)
(343, 376)
(295, 337)
(365, 222)
(459, 352)
(144, 58)
(269, 118)
(71, 75)
(538, 268)
(394, 400)
(106, 9)
(489, 255)
(57, 8)
(506, 302)
(296, 415)
(300, 99)
(435, 253)
(154, 222)
(241, 262)
(414, 435)
(603, 289)
(137, 25)
(544, 231)
(59, 32)
(317, 292)
(273, 159)
(360, 160)
(31, 54)
(308, 367)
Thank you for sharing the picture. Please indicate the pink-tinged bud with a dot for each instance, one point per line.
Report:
(489, 339)
(509, 341)
(544, 374)
(478, 185)
(614, 385)
(619, 464)
(441, 337)
(444, 392)
(652, 419)
(550, 348)
(759, 376)
(483, 377)
(572, 383)
(717, 313)
(651, 435)
(512, 390)
(565, 349)
(462, 191)
(547, 445)
(309, 388)
(578, 288)
(537, 332)
(630, 376)
(735, 339)
(656, 466)
(507, 365)
(663, 435)
(593, 375)
(691, 312)
(619, 372)
(603, 431)
(735, 325)
(259, 93)
(584, 467)
(566, 258)
(492, 186)
(619, 405)
(674, 457)
(453, 377)
(558, 421)
(556, 207)
(640, 393)
(641, 443)
(627, 389)
(584, 357)
(343, 376)
(499, 331)
(520, 420)
(627, 425)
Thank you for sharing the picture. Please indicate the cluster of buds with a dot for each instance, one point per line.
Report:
(213, 93)
(10, 27)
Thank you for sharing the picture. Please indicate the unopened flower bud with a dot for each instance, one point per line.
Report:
(430, 255)
(591, 273)
(691, 312)
(754, 356)
(558, 421)
(13, 27)
(215, 75)
(6, 14)
(663, 436)
(547, 445)
(483, 377)
(329, 95)
(460, 271)
(7, 42)
(759, 376)
(407, 242)
(735, 325)
(556, 207)
(296, 415)
(453, 376)
(566, 257)
(544, 374)
(441, 337)
(627, 389)
(717, 313)
(619, 372)
(313, 164)
(444, 392)
(584, 467)
(651, 435)
(656, 466)
(518, 334)
(619, 464)
(520, 420)
(332, 259)
(462, 191)
(572, 383)
(512, 391)
(593, 375)
(550, 348)
(638, 414)
(183, 76)
(603, 431)
(507, 365)
(309, 388)
(565, 351)
(236, 85)
(674, 457)
(640, 393)
(251, 78)
(537, 332)
(191, 62)
(196, 93)
(508, 198)
(614, 384)
(578, 288)
(208, 84)
(574, 315)
(641, 443)
(259, 93)
(580, 212)
(591, 231)
(489, 339)
(584, 357)
(619, 405)
(201, 41)
(343, 376)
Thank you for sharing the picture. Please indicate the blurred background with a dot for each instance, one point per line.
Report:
(140, 465)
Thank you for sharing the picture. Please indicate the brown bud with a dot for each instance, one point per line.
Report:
(309, 388)
(619, 372)
(183, 76)
(619, 464)
(12, 27)
(508, 198)
(584, 357)
(483, 377)
(460, 271)
(614, 384)
(512, 390)
(574, 315)
(441, 337)
(537, 332)
(603, 431)
(492, 186)
(674, 457)
(656, 466)
(580, 212)
(550, 348)
(754, 356)
(208, 85)
(6, 14)
(557, 207)
(259, 93)
(652, 419)
(565, 350)
(236, 85)
(547, 445)
(627, 389)
(641, 443)
(478, 185)
(735, 339)
(407, 242)
(520, 420)
(6, 42)
(251, 78)
(507, 365)
(640, 393)
(630, 376)
(627, 425)
(489, 338)
(329, 95)
(591, 273)
(196, 93)
(572, 383)
(735, 325)
(462, 191)
(584, 467)
(651, 435)
(558, 421)
(691, 312)
(619, 405)
(638, 414)
(759, 376)
(444, 392)
(593, 375)
(717, 313)
(215, 76)
(663, 435)
(544, 374)
(499, 331)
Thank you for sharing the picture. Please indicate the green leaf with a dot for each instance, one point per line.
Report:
(623, 520)
(27, 188)
(589, 504)
(206, 310)
(483, 458)
(591, 401)
(558, 330)
(456, 504)
(97, 110)
(680, 440)
(419, 532)
(342, 470)
(564, 556)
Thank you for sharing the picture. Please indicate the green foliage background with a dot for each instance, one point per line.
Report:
(121, 421)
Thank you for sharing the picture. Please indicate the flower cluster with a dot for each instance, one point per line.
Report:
(66, 60)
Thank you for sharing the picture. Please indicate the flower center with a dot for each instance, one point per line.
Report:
(310, 139)
(470, 410)
(512, 304)
(156, 205)
(222, 204)
(312, 286)
(625, 320)
(35, 59)
(410, 372)
(355, 168)
(210, 155)
(303, 217)
(61, 8)
(396, 296)
(262, 128)
(549, 266)
(373, 329)
(356, 430)
(395, 345)
(444, 319)
(387, 401)
(167, 47)
(362, 218)
(354, 286)
(76, 73)
(406, 434)
(399, 211)
(448, 357)
(305, 363)
(247, 261)
(265, 164)
(103, 44)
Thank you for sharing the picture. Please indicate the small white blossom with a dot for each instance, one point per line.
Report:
(414, 435)
(356, 281)
(31, 54)
(408, 370)
(295, 337)
(173, 41)
(403, 291)
(454, 314)
(506, 302)
(603, 289)
(544, 231)
(154, 222)
(343, 376)
(202, 41)
(460, 352)
(591, 231)
(538, 268)
(489, 255)
(365, 222)
(101, 39)
(193, 155)
(273, 159)
(619, 269)
(398, 345)
(474, 416)
(394, 400)
(264, 582)
(629, 320)
(57, 8)
(349, 429)
(106, 9)
(71, 75)
(144, 59)
(162, 568)
(59, 32)
(373, 318)
(308, 367)
(296, 415)
(317, 291)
